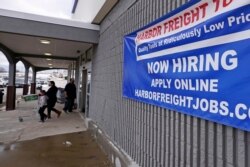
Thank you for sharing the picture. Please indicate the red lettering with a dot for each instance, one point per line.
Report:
(203, 8)
(195, 14)
(181, 21)
(139, 37)
(154, 32)
(187, 18)
(171, 23)
(225, 3)
(199, 11)
(146, 35)
(150, 34)
(177, 22)
(217, 5)
(159, 30)
(165, 27)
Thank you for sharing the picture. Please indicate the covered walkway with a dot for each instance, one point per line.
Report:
(43, 43)
(64, 141)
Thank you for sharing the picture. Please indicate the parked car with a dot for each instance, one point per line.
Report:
(43, 82)
(60, 96)
(6, 80)
(38, 85)
(19, 82)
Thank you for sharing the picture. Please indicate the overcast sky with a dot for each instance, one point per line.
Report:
(3, 60)
(54, 8)
(5, 64)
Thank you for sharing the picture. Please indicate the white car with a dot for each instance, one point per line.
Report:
(38, 85)
(3, 83)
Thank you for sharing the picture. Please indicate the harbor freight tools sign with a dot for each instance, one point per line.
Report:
(195, 60)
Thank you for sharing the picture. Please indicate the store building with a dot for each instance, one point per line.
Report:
(135, 132)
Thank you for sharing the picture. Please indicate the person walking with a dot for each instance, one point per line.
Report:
(70, 94)
(42, 104)
(52, 99)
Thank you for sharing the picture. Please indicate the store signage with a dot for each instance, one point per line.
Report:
(195, 60)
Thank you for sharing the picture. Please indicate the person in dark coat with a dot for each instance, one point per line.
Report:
(52, 99)
(70, 94)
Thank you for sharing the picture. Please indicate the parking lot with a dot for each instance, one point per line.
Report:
(60, 83)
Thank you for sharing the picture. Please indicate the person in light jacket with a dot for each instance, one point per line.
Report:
(42, 104)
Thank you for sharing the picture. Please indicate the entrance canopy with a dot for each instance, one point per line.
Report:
(52, 44)
(48, 42)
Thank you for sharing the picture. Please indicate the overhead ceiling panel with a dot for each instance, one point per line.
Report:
(31, 45)
(43, 62)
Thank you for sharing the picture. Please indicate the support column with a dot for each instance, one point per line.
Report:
(26, 77)
(11, 89)
(69, 73)
(77, 75)
(74, 70)
(84, 90)
(33, 83)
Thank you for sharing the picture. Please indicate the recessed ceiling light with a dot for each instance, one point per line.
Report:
(50, 67)
(44, 41)
(47, 54)
(48, 59)
(50, 64)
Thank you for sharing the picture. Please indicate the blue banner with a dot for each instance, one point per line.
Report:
(194, 60)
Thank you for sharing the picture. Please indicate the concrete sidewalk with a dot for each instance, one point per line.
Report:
(58, 142)
(13, 130)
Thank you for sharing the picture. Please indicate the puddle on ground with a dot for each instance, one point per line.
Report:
(7, 147)
(1, 148)
(52, 152)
